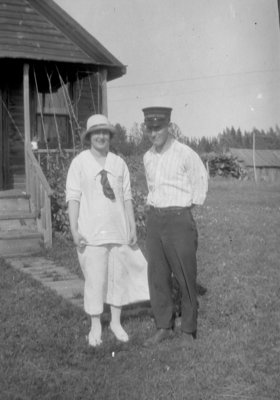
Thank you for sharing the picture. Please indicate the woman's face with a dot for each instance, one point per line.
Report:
(100, 140)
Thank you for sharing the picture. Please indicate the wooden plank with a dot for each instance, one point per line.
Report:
(37, 54)
(26, 103)
(1, 141)
(16, 3)
(19, 32)
(48, 237)
(38, 44)
(33, 163)
(16, 16)
(25, 36)
(26, 106)
(13, 20)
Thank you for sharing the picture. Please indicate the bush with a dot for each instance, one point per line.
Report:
(56, 172)
(224, 165)
(139, 193)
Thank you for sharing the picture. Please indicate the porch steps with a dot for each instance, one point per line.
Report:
(18, 176)
(19, 235)
(19, 181)
(14, 201)
(17, 220)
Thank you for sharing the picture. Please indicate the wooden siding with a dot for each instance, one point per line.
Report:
(267, 164)
(269, 175)
(25, 33)
(41, 30)
(263, 158)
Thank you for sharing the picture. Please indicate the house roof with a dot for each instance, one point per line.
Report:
(263, 158)
(41, 30)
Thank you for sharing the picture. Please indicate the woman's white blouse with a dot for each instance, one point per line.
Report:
(100, 220)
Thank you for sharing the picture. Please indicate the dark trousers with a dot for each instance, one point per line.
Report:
(171, 248)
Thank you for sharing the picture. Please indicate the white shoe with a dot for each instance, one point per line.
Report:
(119, 332)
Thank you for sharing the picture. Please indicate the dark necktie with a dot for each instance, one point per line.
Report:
(107, 190)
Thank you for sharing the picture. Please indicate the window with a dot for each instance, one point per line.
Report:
(52, 117)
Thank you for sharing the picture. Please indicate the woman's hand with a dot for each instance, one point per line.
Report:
(73, 212)
(132, 237)
(79, 241)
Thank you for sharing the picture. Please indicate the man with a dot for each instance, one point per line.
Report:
(177, 181)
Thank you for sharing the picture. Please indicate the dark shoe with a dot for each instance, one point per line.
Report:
(161, 334)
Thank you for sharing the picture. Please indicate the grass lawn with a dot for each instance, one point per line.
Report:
(43, 351)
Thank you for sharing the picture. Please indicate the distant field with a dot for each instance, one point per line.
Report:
(43, 352)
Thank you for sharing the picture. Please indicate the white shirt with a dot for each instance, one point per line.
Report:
(101, 220)
(176, 176)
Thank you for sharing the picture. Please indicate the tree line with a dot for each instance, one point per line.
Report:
(137, 142)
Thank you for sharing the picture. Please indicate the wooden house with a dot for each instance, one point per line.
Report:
(264, 165)
(54, 75)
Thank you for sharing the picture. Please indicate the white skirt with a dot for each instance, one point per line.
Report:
(114, 274)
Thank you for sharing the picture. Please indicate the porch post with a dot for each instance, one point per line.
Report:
(26, 107)
(1, 142)
(104, 104)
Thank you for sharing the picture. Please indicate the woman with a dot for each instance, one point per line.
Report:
(103, 228)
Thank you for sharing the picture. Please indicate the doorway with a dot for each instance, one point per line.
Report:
(12, 166)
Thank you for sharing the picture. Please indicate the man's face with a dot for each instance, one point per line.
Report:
(158, 135)
(100, 140)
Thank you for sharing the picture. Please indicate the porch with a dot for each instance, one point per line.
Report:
(21, 173)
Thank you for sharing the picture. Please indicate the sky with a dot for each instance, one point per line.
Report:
(215, 62)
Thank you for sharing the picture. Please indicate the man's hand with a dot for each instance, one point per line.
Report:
(131, 220)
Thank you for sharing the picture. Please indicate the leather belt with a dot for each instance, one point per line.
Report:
(166, 210)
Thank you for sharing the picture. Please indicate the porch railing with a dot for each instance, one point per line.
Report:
(40, 195)
(42, 153)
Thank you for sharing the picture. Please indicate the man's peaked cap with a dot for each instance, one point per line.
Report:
(157, 115)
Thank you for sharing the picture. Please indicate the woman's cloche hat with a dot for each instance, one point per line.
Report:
(95, 123)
